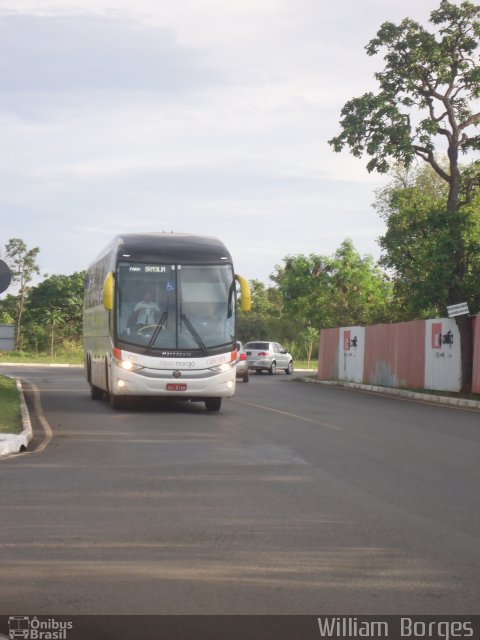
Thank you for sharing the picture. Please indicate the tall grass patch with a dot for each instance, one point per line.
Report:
(10, 416)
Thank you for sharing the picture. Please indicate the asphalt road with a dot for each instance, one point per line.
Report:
(295, 499)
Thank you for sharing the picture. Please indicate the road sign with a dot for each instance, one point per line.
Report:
(5, 276)
(458, 310)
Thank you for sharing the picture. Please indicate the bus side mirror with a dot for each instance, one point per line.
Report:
(108, 292)
(246, 301)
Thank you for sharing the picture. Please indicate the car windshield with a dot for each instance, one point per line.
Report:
(161, 306)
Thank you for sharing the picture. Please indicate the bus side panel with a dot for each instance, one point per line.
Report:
(97, 339)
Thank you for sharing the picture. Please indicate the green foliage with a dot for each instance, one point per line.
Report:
(309, 338)
(339, 290)
(22, 261)
(68, 353)
(264, 319)
(419, 247)
(428, 88)
(428, 96)
(10, 417)
(53, 312)
(313, 292)
(8, 309)
(23, 264)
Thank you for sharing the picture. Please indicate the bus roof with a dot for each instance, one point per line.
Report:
(168, 247)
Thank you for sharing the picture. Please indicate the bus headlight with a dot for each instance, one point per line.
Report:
(128, 365)
(222, 368)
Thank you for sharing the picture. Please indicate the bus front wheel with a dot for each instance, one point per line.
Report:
(95, 392)
(117, 402)
(213, 404)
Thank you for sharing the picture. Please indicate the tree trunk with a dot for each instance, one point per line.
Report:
(465, 328)
(19, 318)
(455, 294)
(52, 338)
(464, 324)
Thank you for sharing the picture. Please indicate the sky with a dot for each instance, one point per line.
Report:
(192, 116)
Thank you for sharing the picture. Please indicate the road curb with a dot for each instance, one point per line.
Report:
(17, 442)
(463, 403)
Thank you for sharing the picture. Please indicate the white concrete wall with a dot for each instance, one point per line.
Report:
(442, 359)
(7, 337)
(351, 352)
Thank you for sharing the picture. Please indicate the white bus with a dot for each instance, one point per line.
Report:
(159, 319)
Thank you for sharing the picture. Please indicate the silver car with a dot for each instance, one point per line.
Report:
(242, 363)
(268, 356)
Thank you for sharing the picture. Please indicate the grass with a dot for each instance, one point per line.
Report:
(10, 416)
(448, 394)
(303, 364)
(71, 356)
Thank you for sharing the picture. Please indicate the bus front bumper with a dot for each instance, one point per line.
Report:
(163, 383)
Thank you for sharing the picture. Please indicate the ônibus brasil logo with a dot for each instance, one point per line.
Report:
(26, 628)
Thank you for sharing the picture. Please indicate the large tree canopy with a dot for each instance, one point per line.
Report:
(417, 245)
(428, 91)
(426, 106)
(339, 290)
(54, 310)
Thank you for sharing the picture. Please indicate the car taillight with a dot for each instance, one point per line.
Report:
(243, 356)
(263, 353)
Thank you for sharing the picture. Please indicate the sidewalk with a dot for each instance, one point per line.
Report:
(462, 403)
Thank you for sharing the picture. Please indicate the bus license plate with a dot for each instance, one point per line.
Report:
(176, 386)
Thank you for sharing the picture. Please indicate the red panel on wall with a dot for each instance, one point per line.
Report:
(436, 335)
(395, 354)
(328, 354)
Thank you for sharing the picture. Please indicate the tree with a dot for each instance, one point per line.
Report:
(360, 292)
(262, 321)
(8, 309)
(427, 94)
(310, 338)
(56, 304)
(339, 290)
(302, 282)
(417, 243)
(22, 262)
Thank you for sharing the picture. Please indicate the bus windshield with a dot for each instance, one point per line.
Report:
(175, 307)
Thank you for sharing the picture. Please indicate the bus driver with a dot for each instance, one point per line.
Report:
(145, 312)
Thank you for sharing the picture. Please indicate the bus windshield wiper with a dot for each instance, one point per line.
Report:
(158, 328)
(194, 333)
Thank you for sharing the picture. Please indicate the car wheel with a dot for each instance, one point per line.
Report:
(289, 369)
(259, 371)
(273, 369)
(246, 377)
